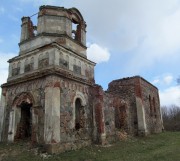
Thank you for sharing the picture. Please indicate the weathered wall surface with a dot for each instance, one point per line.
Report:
(36, 89)
(53, 111)
(111, 115)
(150, 98)
(48, 57)
(51, 95)
(144, 107)
(99, 133)
(126, 91)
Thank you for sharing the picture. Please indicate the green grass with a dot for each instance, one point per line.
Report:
(159, 147)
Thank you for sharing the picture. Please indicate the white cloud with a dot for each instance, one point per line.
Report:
(97, 53)
(164, 79)
(168, 79)
(148, 28)
(155, 81)
(2, 10)
(170, 96)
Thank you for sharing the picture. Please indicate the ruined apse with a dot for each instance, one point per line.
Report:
(51, 98)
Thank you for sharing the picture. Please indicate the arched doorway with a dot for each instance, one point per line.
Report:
(23, 116)
(24, 128)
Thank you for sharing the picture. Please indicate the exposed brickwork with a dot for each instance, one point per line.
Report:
(129, 89)
(51, 97)
(99, 118)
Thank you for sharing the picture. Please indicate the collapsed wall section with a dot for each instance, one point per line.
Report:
(111, 116)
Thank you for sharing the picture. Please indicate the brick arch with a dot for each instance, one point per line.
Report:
(15, 124)
(81, 97)
(23, 97)
(83, 103)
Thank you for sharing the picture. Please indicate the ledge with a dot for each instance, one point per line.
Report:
(51, 70)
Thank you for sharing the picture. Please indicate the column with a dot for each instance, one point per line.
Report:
(142, 129)
(52, 115)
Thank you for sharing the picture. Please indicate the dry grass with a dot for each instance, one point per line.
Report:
(160, 147)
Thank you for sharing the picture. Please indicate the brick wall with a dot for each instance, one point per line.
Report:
(125, 90)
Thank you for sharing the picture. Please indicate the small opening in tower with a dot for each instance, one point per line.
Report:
(74, 30)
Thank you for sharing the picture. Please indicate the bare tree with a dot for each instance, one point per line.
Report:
(171, 118)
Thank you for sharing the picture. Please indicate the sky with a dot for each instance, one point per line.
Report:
(124, 37)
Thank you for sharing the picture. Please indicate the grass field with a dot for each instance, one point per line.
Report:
(159, 147)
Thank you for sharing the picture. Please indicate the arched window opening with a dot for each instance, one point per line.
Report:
(79, 115)
(77, 68)
(77, 29)
(74, 61)
(26, 62)
(74, 30)
(40, 56)
(14, 69)
(40, 65)
(32, 63)
(86, 71)
(18, 67)
(90, 72)
(14, 65)
(150, 106)
(154, 105)
(43, 60)
(24, 128)
(64, 61)
(26, 66)
(67, 59)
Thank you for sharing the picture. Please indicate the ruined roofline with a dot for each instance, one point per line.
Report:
(77, 12)
(133, 77)
(54, 22)
(73, 10)
(51, 7)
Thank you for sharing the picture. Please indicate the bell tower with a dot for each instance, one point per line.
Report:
(47, 78)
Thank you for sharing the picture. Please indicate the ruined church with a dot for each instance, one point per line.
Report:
(51, 97)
